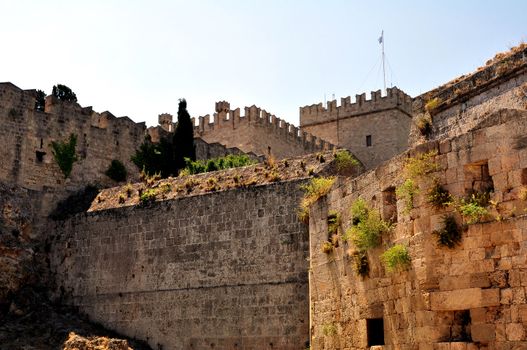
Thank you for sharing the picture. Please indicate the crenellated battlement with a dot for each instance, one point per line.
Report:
(231, 122)
(316, 113)
(101, 138)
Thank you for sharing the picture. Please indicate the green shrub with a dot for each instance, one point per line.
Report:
(450, 235)
(424, 124)
(396, 258)
(407, 191)
(438, 196)
(116, 171)
(64, 154)
(333, 223)
(360, 263)
(472, 209)
(359, 211)
(204, 166)
(344, 161)
(148, 195)
(421, 165)
(432, 104)
(315, 189)
(367, 226)
(327, 247)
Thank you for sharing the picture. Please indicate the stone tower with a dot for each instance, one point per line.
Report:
(374, 130)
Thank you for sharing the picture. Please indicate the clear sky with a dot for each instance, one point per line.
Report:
(138, 57)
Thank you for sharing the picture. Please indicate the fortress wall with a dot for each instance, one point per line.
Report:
(256, 131)
(385, 118)
(468, 297)
(464, 102)
(226, 270)
(27, 132)
(317, 114)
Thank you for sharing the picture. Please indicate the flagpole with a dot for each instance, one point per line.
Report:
(383, 68)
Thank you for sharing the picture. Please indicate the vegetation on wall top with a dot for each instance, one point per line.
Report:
(63, 93)
(315, 189)
(220, 163)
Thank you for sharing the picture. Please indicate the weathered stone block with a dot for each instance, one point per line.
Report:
(515, 331)
(483, 332)
(464, 299)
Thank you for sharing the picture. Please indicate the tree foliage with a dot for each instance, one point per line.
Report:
(183, 140)
(40, 100)
(64, 93)
(155, 158)
(116, 171)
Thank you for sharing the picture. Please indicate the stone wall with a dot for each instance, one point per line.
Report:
(472, 296)
(27, 134)
(226, 270)
(385, 120)
(463, 102)
(257, 131)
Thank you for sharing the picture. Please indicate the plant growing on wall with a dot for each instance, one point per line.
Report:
(345, 162)
(407, 192)
(315, 189)
(432, 104)
(367, 227)
(327, 247)
(205, 166)
(360, 263)
(333, 223)
(450, 235)
(148, 195)
(64, 154)
(438, 196)
(473, 209)
(116, 171)
(414, 169)
(396, 258)
(329, 329)
(423, 122)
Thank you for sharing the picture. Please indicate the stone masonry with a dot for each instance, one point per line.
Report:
(373, 130)
(26, 157)
(226, 270)
(472, 296)
(257, 131)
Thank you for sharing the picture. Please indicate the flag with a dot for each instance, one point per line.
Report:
(381, 38)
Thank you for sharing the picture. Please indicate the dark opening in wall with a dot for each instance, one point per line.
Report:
(375, 330)
(477, 178)
(389, 205)
(460, 330)
(40, 156)
(368, 140)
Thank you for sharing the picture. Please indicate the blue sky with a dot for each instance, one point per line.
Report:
(137, 58)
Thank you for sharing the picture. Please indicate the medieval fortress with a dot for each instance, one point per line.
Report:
(222, 261)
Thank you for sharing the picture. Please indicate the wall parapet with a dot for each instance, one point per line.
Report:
(316, 113)
(253, 116)
(498, 70)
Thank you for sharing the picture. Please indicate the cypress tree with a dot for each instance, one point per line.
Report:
(183, 140)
